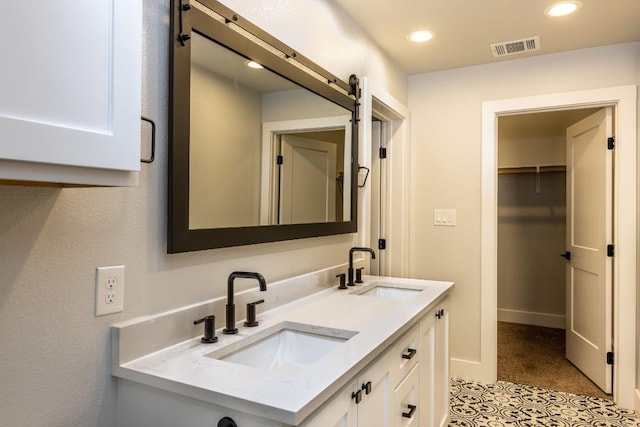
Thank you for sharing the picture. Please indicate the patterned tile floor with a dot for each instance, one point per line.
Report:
(506, 404)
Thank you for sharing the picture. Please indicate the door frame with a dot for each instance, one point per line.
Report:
(624, 101)
(269, 151)
(395, 135)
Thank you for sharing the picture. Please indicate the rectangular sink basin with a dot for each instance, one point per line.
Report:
(390, 290)
(285, 345)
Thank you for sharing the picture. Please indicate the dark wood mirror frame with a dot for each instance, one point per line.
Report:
(186, 18)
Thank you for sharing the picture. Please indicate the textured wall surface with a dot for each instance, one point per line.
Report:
(54, 354)
(446, 111)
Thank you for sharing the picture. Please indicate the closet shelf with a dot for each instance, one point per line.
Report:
(531, 169)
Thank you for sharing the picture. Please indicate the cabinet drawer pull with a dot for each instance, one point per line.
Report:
(357, 396)
(367, 387)
(412, 352)
(412, 409)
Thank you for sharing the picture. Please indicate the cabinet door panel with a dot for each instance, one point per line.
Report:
(374, 410)
(340, 411)
(427, 368)
(71, 83)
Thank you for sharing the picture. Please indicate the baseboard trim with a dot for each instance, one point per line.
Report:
(637, 402)
(530, 318)
(469, 370)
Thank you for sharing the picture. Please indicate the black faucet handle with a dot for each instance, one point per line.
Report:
(209, 329)
(359, 274)
(343, 280)
(251, 314)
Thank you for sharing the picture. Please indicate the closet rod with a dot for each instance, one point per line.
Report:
(531, 169)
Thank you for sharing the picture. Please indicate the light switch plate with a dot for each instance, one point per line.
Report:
(445, 217)
(109, 290)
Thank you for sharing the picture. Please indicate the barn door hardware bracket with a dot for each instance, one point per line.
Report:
(611, 143)
(610, 358)
(183, 34)
(383, 152)
(610, 251)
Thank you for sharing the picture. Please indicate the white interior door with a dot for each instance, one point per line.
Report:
(589, 231)
(308, 181)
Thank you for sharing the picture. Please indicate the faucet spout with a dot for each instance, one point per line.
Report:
(231, 307)
(351, 251)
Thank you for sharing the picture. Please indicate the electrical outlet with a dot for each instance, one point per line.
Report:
(109, 290)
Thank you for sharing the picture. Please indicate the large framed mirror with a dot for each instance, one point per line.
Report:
(263, 142)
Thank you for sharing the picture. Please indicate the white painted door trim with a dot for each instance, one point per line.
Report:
(396, 132)
(624, 99)
(269, 152)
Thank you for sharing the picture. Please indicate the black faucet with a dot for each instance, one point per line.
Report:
(231, 307)
(351, 251)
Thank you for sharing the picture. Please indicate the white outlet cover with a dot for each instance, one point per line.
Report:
(109, 290)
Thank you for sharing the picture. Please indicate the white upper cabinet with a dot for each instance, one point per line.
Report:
(70, 86)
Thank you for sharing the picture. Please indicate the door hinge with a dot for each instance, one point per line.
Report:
(382, 244)
(610, 358)
(611, 143)
(610, 251)
(279, 159)
(383, 152)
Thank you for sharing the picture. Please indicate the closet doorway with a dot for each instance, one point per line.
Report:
(531, 228)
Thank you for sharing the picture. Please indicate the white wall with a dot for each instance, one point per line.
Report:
(531, 236)
(54, 354)
(446, 110)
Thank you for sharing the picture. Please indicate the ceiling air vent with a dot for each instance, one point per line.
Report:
(515, 46)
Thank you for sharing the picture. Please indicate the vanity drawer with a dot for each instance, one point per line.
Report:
(405, 351)
(405, 408)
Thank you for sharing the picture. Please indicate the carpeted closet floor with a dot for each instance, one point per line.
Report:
(534, 355)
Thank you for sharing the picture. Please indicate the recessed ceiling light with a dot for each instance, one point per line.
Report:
(254, 65)
(563, 8)
(421, 36)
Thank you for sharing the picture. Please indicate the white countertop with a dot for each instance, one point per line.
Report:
(289, 395)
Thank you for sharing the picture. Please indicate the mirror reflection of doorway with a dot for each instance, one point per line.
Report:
(531, 236)
(308, 180)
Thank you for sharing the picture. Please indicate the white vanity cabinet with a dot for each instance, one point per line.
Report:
(434, 366)
(340, 411)
(364, 402)
(393, 371)
(407, 407)
(394, 382)
(70, 85)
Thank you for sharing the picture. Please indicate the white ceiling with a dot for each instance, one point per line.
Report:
(465, 28)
